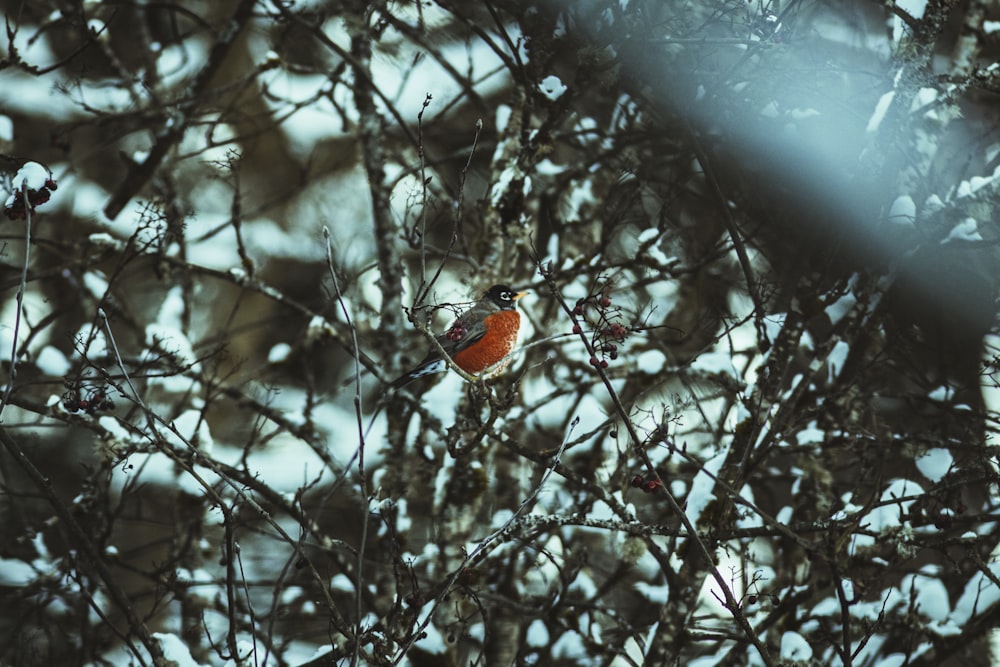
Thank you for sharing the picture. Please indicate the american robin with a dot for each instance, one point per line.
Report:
(480, 339)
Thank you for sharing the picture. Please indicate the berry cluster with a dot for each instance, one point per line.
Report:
(608, 332)
(40, 186)
(647, 485)
(456, 333)
(96, 400)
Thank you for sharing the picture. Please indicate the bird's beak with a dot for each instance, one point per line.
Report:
(519, 295)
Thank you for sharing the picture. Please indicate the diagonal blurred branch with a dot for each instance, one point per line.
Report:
(175, 126)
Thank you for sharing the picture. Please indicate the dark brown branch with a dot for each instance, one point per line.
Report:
(174, 127)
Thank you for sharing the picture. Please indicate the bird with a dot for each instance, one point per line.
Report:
(479, 340)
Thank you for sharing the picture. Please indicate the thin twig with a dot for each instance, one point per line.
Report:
(83, 541)
(12, 374)
(730, 601)
(360, 453)
(118, 357)
(423, 187)
(174, 127)
(484, 545)
(426, 287)
(155, 422)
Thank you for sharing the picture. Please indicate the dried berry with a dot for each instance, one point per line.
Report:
(617, 331)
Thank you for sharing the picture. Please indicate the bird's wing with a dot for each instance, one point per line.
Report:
(465, 331)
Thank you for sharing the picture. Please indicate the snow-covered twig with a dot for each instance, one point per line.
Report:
(83, 540)
(730, 601)
(484, 545)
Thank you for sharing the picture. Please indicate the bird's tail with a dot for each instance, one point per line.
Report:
(429, 367)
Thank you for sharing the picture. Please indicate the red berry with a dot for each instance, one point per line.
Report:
(637, 481)
(604, 364)
(613, 355)
(577, 329)
(605, 301)
(617, 331)
(578, 310)
(594, 361)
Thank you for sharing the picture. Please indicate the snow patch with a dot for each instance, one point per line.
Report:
(935, 464)
(880, 110)
(279, 353)
(552, 87)
(903, 211)
(537, 634)
(175, 650)
(31, 174)
(967, 230)
(52, 361)
(716, 363)
(795, 647)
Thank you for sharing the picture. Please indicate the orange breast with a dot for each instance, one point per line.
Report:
(501, 334)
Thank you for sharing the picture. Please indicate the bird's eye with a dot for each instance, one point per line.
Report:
(506, 296)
